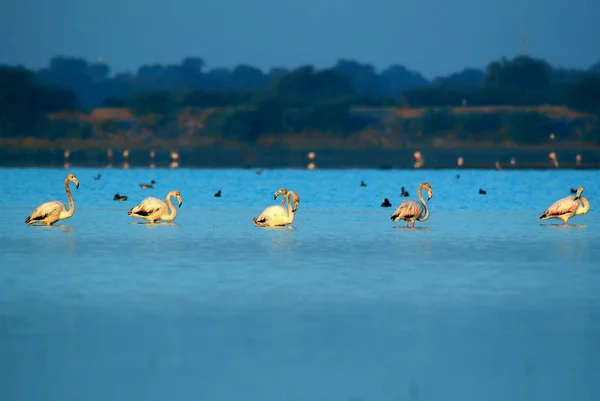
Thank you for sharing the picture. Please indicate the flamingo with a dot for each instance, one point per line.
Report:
(153, 209)
(411, 210)
(276, 215)
(50, 212)
(567, 207)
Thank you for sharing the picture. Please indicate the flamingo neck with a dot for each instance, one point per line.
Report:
(172, 209)
(426, 215)
(68, 213)
(290, 205)
(584, 206)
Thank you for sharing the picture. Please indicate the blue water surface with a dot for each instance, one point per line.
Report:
(482, 302)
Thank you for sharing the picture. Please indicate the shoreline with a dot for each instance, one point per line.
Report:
(402, 159)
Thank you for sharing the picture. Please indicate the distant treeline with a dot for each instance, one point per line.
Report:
(348, 101)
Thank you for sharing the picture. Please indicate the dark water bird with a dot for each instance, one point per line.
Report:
(218, 194)
(148, 186)
(482, 192)
(386, 203)
(97, 177)
(259, 172)
(458, 176)
(403, 192)
(120, 198)
(573, 191)
(362, 184)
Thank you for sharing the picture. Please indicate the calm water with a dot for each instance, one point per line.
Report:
(481, 303)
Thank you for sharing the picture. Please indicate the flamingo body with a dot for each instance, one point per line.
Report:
(274, 216)
(153, 209)
(409, 210)
(47, 213)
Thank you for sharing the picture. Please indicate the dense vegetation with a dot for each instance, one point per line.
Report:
(350, 101)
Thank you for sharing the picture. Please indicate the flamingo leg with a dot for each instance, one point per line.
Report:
(565, 223)
(406, 223)
(413, 225)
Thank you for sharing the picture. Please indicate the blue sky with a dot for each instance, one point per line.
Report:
(432, 36)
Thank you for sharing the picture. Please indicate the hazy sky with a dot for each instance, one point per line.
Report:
(432, 36)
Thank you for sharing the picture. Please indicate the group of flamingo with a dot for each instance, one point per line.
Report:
(153, 209)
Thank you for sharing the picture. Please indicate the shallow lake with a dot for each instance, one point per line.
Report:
(482, 302)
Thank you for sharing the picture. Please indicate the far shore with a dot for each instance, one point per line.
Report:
(251, 157)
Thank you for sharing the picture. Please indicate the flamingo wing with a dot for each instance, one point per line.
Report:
(407, 210)
(560, 207)
(147, 207)
(45, 210)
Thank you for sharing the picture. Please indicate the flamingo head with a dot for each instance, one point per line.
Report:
(281, 191)
(427, 187)
(177, 196)
(74, 180)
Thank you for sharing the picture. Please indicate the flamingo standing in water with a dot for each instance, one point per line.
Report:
(50, 212)
(412, 210)
(276, 215)
(567, 207)
(153, 209)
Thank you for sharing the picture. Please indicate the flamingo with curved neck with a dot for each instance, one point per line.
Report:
(567, 207)
(411, 210)
(153, 209)
(276, 215)
(50, 212)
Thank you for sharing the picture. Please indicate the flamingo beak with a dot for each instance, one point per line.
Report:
(180, 202)
(77, 184)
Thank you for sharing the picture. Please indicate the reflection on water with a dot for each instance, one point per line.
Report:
(154, 224)
(480, 302)
(54, 226)
(566, 226)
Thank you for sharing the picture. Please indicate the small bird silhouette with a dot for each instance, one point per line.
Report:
(120, 198)
(148, 186)
(362, 184)
(386, 203)
(482, 192)
(218, 194)
(573, 191)
(403, 192)
(97, 177)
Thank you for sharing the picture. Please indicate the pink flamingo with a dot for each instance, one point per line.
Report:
(567, 207)
(412, 210)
